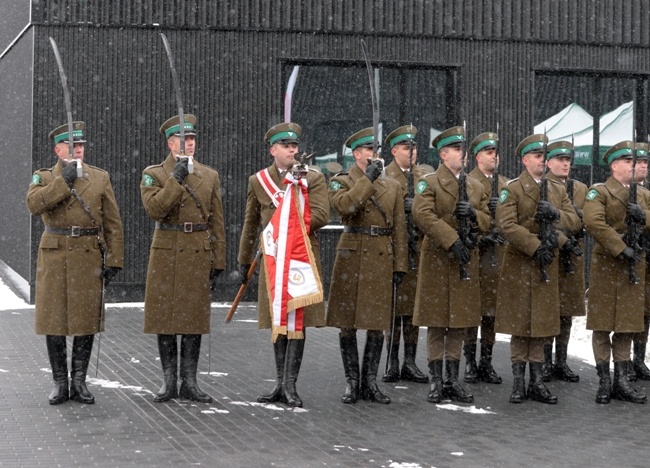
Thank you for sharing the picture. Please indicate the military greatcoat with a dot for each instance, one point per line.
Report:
(406, 290)
(614, 303)
(68, 284)
(489, 274)
(645, 242)
(527, 306)
(443, 299)
(572, 285)
(177, 296)
(259, 211)
(361, 289)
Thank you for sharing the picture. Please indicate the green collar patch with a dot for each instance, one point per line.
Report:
(36, 179)
(592, 194)
(147, 180)
(503, 196)
(421, 186)
(335, 185)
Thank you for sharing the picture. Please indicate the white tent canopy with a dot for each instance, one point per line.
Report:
(570, 120)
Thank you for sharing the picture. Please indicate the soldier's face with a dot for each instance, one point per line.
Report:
(452, 157)
(560, 167)
(400, 153)
(641, 170)
(284, 154)
(361, 156)
(174, 144)
(534, 164)
(61, 150)
(622, 170)
(487, 160)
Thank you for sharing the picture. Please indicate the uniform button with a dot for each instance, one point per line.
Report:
(365, 250)
(196, 251)
(180, 250)
(367, 210)
(182, 205)
(70, 249)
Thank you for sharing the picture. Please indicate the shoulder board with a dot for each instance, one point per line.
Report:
(314, 168)
(152, 166)
(512, 180)
(340, 174)
(429, 174)
(96, 168)
(598, 184)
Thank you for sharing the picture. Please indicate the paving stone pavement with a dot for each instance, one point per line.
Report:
(125, 427)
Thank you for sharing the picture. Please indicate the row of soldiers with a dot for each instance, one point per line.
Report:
(402, 262)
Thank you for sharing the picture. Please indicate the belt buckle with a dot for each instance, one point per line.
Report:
(75, 231)
(374, 230)
(187, 227)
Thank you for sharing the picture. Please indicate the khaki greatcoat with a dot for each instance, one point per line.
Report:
(361, 290)
(443, 299)
(527, 306)
(259, 210)
(177, 296)
(405, 303)
(645, 193)
(614, 303)
(68, 284)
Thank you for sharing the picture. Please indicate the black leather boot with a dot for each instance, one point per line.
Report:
(471, 371)
(435, 369)
(280, 354)
(82, 347)
(350, 355)
(639, 366)
(452, 388)
(295, 349)
(604, 394)
(410, 371)
(547, 366)
(190, 351)
(56, 353)
(486, 372)
(392, 350)
(371, 356)
(561, 369)
(622, 390)
(536, 389)
(518, 394)
(168, 350)
(631, 373)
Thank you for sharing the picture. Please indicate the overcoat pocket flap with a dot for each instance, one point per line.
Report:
(48, 242)
(348, 244)
(207, 245)
(162, 243)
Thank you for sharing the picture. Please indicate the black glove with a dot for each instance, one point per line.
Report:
(571, 246)
(544, 255)
(108, 273)
(635, 212)
(492, 204)
(465, 210)
(398, 276)
(243, 272)
(630, 254)
(214, 274)
(578, 211)
(408, 204)
(373, 170)
(69, 173)
(493, 238)
(460, 252)
(546, 212)
(180, 170)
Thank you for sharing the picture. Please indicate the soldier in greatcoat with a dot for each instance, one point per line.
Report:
(371, 257)
(571, 269)
(448, 298)
(617, 280)
(264, 189)
(81, 250)
(188, 252)
(528, 308)
(491, 251)
(404, 170)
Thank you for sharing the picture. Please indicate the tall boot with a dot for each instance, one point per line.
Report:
(280, 353)
(295, 349)
(536, 389)
(435, 369)
(622, 390)
(604, 394)
(640, 368)
(371, 356)
(56, 352)
(350, 355)
(190, 351)
(168, 350)
(486, 372)
(82, 347)
(547, 366)
(518, 394)
(392, 350)
(452, 388)
(410, 371)
(471, 371)
(631, 373)
(561, 369)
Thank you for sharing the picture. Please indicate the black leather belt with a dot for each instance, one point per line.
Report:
(73, 231)
(369, 230)
(185, 227)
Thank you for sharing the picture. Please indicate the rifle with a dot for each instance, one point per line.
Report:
(375, 109)
(410, 225)
(633, 234)
(494, 193)
(546, 233)
(242, 288)
(463, 225)
(565, 257)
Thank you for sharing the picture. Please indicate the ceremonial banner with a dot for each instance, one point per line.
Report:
(292, 278)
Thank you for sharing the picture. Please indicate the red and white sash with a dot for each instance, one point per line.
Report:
(274, 192)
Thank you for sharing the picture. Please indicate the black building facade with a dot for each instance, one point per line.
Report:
(439, 62)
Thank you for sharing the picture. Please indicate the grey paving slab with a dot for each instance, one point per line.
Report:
(125, 428)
